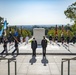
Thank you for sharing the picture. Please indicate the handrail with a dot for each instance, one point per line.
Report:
(9, 60)
(64, 60)
(69, 58)
(3, 58)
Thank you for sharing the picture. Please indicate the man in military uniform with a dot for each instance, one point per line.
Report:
(68, 39)
(74, 39)
(16, 45)
(5, 46)
(62, 38)
(50, 38)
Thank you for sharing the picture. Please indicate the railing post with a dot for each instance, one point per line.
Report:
(15, 68)
(61, 67)
(68, 67)
(8, 67)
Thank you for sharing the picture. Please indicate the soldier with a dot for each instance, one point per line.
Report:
(21, 39)
(68, 39)
(16, 46)
(56, 38)
(62, 38)
(50, 38)
(5, 46)
(44, 45)
(26, 40)
(74, 39)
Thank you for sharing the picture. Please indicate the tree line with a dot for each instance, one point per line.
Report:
(70, 13)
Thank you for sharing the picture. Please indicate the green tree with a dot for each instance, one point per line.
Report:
(71, 12)
(52, 32)
(73, 29)
(59, 31)
(24, 31)
(1, 22)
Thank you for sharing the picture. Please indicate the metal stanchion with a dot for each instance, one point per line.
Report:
(68, 47)
(8, 67)
(68, 67)
(66, 60)
(10, 60)
(62, 68)
(15, 68)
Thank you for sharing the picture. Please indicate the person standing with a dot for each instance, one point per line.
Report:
(50, 38)
(26, 39)
(56, 38)
(44, 45)
(34, 46)
(5, 46)
(21, 39)
(62, 38)
(68, 39)
(74, 39)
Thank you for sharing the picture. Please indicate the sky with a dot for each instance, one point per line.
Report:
(35, 12)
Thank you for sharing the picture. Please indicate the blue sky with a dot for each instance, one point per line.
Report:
(35, 12)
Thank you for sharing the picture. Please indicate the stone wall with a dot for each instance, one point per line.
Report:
(38, 33)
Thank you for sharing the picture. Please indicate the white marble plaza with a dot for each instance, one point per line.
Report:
(28, 65)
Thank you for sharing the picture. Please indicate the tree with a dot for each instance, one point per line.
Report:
(71, 12)
(52, 32)
(74, 29)
(1, 22)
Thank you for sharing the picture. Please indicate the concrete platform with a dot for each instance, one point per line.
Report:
(52, 49)
(28, 65)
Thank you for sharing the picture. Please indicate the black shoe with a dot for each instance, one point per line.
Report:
(17, 53)
(6, 53)
(12, 53)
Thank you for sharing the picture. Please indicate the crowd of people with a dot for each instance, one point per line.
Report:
(44, 43)
(63, 39)
(17, 40)
(11, 39)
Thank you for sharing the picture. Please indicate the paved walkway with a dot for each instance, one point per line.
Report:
(51, 48)
(28, 65)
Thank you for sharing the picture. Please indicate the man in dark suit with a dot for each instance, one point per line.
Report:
(34, 46)
(44, 45)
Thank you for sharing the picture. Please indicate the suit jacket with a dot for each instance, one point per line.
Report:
(16, 43)
(34, 44)
(68, 39)
(50, 37)
(5, 43)
(44, 43)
